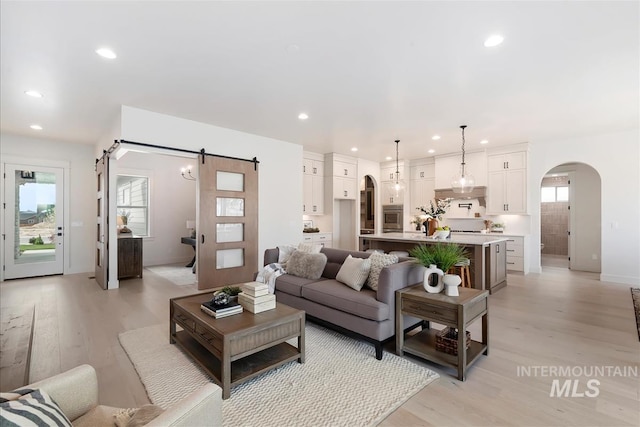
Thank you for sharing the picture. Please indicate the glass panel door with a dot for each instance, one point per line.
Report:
(34, 244)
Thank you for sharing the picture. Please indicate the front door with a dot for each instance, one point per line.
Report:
(34, 221)
(227, 222)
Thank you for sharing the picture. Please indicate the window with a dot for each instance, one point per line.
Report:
(554, 194)
(133, 202)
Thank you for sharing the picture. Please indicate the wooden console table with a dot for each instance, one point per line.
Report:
(456, 312)
(129, 256)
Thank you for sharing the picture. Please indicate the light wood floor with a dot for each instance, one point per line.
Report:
(557, 318)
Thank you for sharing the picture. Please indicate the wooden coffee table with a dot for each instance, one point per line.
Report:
(237, 348)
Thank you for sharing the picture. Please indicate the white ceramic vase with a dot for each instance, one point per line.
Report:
(433, 279)
(451, 283)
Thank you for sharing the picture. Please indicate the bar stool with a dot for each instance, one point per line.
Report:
(464, 272)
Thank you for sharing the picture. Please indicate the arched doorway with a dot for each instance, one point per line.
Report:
(570, 218)
(367, 205)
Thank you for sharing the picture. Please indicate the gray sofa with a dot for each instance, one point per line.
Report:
(365, 314)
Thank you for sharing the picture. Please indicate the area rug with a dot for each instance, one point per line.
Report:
(16, 336)
(340, 384)
(635, 295)
(177, 274)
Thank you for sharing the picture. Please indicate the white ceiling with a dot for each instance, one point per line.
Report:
(367, 73)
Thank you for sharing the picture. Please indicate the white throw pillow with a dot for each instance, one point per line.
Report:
(378, 262)
(354, 272)
(284, 253)
(309, 248)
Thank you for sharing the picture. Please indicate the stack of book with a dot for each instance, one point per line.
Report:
(219, 311)
(255, 297)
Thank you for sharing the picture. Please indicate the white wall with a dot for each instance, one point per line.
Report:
(615, 157)
(172, 201)
(280, 183)
(80, 216)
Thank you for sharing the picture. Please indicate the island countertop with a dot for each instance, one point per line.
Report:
(461, 239)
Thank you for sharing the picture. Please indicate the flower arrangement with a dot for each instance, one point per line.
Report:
(436, 211)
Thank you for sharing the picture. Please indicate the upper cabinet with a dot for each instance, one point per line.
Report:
(342, 171)
(507, 187)
(448, 166)
(422, 184)
(313, 184)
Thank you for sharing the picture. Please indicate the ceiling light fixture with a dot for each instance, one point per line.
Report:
(303, 116)
(435, 137)
(388, 158)
(464, 181)
(493, 40)
(397, 188)
(36, 127)
(484, 141)
(187, 171)
(354, 149)
(33, 93)
(106, 53)
(431, 151)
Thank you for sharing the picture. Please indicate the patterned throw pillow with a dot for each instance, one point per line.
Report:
(30, 407)
(354, 272)
(378, 262)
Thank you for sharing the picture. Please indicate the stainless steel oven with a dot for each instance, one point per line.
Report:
(392, 218)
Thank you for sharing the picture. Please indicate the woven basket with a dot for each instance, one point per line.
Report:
(447, 341)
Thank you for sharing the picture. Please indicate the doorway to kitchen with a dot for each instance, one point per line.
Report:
(367, 206)
(570, 218)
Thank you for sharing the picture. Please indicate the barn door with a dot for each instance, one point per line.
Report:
(227, 221)
(102, 224)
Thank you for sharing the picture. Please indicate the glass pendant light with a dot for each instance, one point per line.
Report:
(464, 181)
(398, 187)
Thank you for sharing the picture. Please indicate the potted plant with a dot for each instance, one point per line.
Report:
(441, 256)
(230, 295)
(433, 213)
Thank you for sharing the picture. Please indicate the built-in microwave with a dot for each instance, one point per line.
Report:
(392, 218)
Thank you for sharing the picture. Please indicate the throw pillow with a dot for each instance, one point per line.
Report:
(31, 407)
(306, 265)
(354, 272)
(378, 262)
(137, 417)
(309, 248)
(284, 253)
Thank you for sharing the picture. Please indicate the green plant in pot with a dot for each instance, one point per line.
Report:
(438, 259)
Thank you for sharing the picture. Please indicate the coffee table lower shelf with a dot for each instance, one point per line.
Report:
(423, 344)
(242, 369)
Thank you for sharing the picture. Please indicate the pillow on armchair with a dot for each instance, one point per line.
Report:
(26, 406)
(306, 265)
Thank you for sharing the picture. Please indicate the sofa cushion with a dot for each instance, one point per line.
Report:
(311, 248)
(307, 265)
(354, 272)
(334, 294)
(378, 262)
(292, 285)
(31, 407)
(335, 259)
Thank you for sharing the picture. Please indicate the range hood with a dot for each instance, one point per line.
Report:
(477, 193)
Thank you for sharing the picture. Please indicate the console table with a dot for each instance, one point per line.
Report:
(129, 256)
(456, 312)
(192, 242)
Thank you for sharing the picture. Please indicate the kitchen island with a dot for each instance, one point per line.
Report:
(487, 253)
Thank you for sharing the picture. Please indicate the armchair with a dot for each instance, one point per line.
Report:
(76, 393)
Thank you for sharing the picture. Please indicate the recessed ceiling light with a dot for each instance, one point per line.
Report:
(33, 93)
(435, 137)
(493, 40)
(388, 158)
(354, 149)
(106, 53)
(484, 141)
(431, 151)
(303, 116)
(292, 48)
(36, 127)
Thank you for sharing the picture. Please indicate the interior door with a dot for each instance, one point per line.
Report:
(34, 221)
(227, 221)
(102, 222)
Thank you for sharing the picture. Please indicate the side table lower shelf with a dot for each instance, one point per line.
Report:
(423, 344)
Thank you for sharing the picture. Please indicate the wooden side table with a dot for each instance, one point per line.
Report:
(456, 312)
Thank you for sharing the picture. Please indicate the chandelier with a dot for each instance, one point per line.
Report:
(464, 181)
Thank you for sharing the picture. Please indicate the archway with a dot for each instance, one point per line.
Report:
(367, 205)
(570, 218)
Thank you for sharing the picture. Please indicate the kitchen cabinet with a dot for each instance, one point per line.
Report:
(344, 188)
(422, 191)
(313, 184)
(448, 166)
(515, 254)
(324, 239)
(344, 169)
(129, 256)
(388, 173)
(425, 171)
(507, 183)
(497, 266)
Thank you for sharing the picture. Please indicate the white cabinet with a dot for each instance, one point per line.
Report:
(313, 184)
(422, 191)
(344, 170)
(449, 166)
(324, 239)
(515, 254)
(313, 167)
(423, 171)
(507, 186)
(388, 195)
(388, 173)
(344, 188)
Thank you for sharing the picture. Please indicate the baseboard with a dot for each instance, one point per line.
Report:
(623, 280)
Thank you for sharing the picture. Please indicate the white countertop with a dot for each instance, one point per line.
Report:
(460, 238)
(495, 234)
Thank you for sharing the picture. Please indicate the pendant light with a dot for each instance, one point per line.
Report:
(398, 187)
(464, 181)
